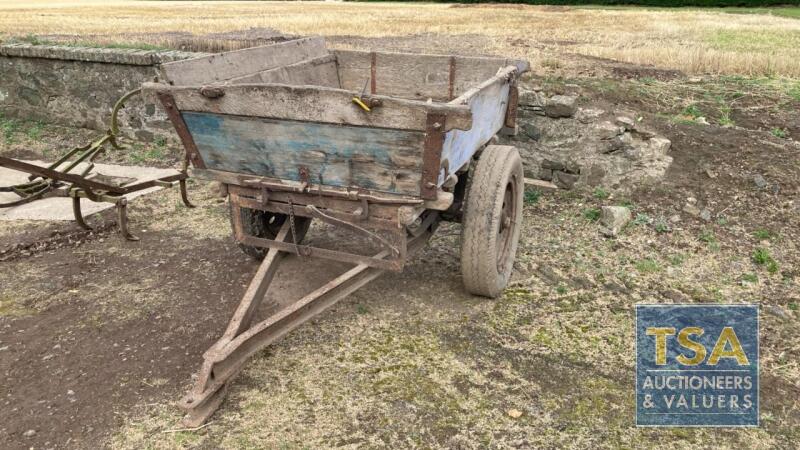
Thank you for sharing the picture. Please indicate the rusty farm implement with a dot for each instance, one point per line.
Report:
(73, 176)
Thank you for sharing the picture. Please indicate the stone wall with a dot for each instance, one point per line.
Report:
(585, 147)
(78, 86)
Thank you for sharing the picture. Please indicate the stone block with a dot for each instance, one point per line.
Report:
(552, 165)
(564, 180)
(613, 219)
(560, 106)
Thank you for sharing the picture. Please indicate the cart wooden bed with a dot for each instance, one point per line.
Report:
(384, 145)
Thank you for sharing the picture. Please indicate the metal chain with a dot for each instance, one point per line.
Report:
(292, 227)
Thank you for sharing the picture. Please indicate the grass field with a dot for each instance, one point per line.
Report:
(751, 42)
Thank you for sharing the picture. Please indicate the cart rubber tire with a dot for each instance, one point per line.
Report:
(492, 219)
(265, 224)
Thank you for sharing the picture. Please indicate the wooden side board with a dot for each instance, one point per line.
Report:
(417, 76)
(315, 72)
(314, 104)
(227, 65)
(488, 102)
(381, 160)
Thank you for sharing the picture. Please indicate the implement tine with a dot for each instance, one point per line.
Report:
(76, 211)
(27, 199)
(26, 189)
(185, 194)
(122, 218)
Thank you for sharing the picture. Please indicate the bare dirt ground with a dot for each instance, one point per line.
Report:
(98, 336)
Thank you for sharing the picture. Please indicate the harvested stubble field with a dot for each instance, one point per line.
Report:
(694, 41)
(98, 336)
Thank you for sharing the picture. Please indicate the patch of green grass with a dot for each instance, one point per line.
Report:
(791, 12)
(605, 85)
(677, 259)
(642, 219)
(750, 278)
(140, 154)
(531, 196)
(753, 40)
(34, 132)
(793, 306)
(9, 128)
(707, 236)
(766, 85)
(761, 256)
(692, 111)
(778, 133)
(677, 119)
(647, 265)
(794, 92)
(772, 266)
(32, 39)
(122, 45)
(725, 116)
(561, 289)
(10, 308)
(648, 80)
(600, 193)
(361, 309)
(661, 225)
(763, 234)
(591, 214)
(160, 141)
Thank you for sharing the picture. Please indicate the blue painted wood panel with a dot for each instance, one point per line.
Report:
(345, 156)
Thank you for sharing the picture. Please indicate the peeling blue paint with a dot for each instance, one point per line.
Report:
(341, 155)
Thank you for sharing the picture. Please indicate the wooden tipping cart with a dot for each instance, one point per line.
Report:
(384, 145)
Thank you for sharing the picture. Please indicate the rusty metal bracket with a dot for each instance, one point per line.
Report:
(432, 155)
(212, 92)
(373, 70)
(451, 79)
(510, 120)
(168, 101)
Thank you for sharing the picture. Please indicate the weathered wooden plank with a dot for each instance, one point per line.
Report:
(376, 159)
(314, 104)
(318, 72)
(541, 184)
(298, 187)
(418, 76)
(488, 103)
(227, 65)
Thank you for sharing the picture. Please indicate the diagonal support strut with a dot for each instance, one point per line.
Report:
(226, 358)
